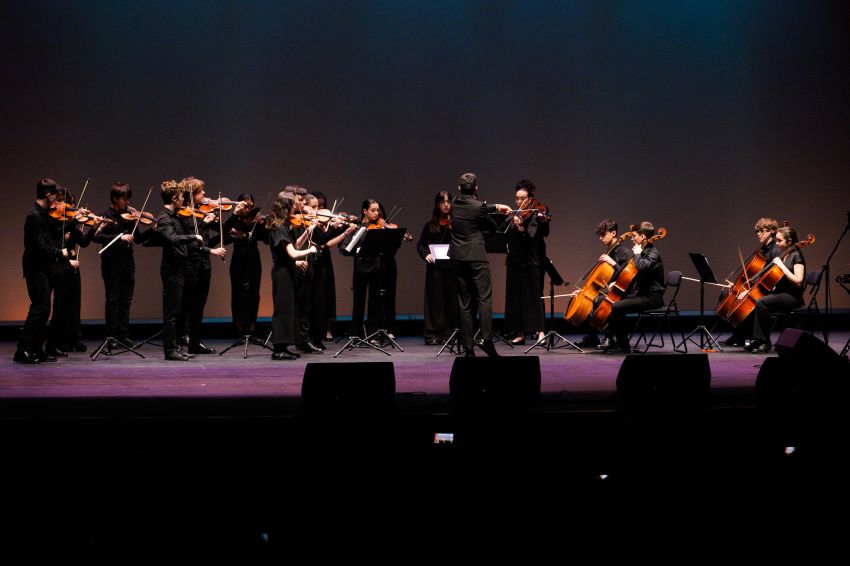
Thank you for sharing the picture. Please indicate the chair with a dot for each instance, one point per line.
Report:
(660, 316)
(807, 312)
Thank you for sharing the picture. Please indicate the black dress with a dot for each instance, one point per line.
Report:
(323, 307)
(246, 268)
(524, 309)
(441, 316)
(285, 315)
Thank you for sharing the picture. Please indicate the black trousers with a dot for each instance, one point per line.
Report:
(39, 289)
(285, 314)
(304, 301)
(245, 279)
(323, 303)
(474, 290)
(617, 323)
(767, 305)
(62, 330)
(441, 306)
(173, 285)
(119, 282)
(195, 295)
(524, 311)
(368, 282)
(388, 292)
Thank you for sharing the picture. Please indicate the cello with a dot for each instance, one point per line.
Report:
(595, 280)
(621, 285)
(762, 284)
(729, 297)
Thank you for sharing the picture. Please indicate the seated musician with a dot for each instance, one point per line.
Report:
(787, 295)
(618, 258)
(765, 231)
(645, 293)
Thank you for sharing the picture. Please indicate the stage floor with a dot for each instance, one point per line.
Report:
(422, 377)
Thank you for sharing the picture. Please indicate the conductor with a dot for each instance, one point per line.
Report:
(469, 216)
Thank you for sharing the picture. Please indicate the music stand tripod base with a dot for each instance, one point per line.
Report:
(106, 349)
(550, 342)
(246, 341)
(453, 343)
(706, 340)
(357, 342)
(496, 336)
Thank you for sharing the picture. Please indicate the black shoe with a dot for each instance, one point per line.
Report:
(184, 340)
(176, 356)
(309, 348)
(318, 344)
(762, 348)
(469, 354)
(432, 342)
(181, 351)
(25, 357)
(56, 352)
(43, 357)
(734, 341)
(199, 348)
(278, 356)
(616, 349)
(605, 344)
(80, 347)
(489, 348)
(749, 345)
(588, 342)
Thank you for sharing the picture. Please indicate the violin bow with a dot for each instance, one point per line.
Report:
(144, 204)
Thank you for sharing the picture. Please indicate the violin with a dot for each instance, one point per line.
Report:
(211, 205)
(89, 219)
(133, 215)
(621, 285)
(761, 284)
(187, 211)
(300, 219)
(62, 211)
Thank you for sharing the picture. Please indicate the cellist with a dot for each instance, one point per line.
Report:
(787, 295)
(645, 293)
(765, 231)
(606, 230)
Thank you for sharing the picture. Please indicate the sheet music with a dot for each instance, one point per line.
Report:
(355, 238)
(439, 251)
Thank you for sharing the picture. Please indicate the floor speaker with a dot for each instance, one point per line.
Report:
(503, 380)
(806, 369)
(356, 386)
(799, 345)
(664, 378)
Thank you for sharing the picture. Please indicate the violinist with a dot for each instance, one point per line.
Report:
(42, 255)
(117, 263)
(787, 295)
(303, 226)
(244, 229)
(646, 291)
(199, 268)
(765, 231)
(176, 239)
(469, 216)
(527, 227)
(328, 233)
(606, 231)
(65, 332)
(287, 258)
(367, 277)
(440, 278)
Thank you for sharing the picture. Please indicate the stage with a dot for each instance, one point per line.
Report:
(128, 460)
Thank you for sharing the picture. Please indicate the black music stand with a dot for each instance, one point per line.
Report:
(706, 276)
(494, 243)
(827, 296)
(551, 339)
(841, 280)
(112, 346)
(377, 243)
(246, 340)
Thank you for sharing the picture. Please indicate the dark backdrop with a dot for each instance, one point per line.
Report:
(699, 116)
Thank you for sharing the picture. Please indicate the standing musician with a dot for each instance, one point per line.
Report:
(468, 217)
(646, 291)
(765, 230)
(367, 277)
(176, 240)
(117, 265)
(526, 257)
(324, 304)
(287, 257)
(328, 232)
(440, 276)
(199, 269)
(42, 255)
(606, 230)
(65, 332)
(303, 223)
(244, 229)
(787, 295)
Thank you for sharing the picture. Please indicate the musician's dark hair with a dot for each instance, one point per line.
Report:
(526, 185)
(607, 225)
(646, 229)
(120, 190)
(434, 222)
(790, 234)
(366, 204)
(468, 183)
(46, 187)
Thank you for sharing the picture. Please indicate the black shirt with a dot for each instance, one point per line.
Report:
(650, 278)
(785, 285)
(42, 250)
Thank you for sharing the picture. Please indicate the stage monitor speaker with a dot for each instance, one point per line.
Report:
(806, 369)
(348, 387)
(666, 378)
(507, 380)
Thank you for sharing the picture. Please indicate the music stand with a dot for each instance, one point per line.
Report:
(377, 243)
(494, 243)
(706, 276)
(551, 339)
(246, 340)
(106, 346)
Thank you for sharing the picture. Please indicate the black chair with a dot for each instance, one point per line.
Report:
(807, 317)
(659, 318)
